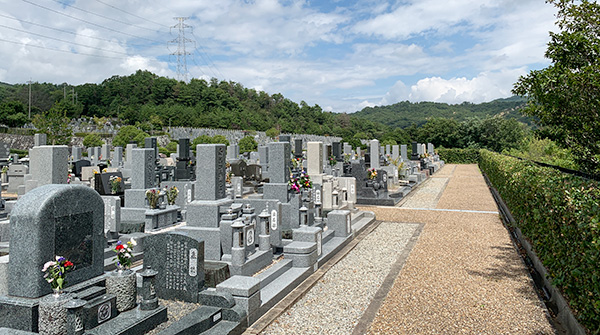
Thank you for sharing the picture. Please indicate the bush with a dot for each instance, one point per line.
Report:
(92, 140)
(558, 214)
(129, 134)
(247, 144)
(459, 156)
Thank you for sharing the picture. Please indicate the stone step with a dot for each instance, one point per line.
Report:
(277, 289)
(270, 274)
(327, 235)
(196, 322)
(225, 328)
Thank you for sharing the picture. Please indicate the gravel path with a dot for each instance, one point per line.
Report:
(463, 276)
(336, 303)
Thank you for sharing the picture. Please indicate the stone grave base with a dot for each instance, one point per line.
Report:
(22, 313)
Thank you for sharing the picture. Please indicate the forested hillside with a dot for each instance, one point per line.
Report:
(144, 97)
(404, 114)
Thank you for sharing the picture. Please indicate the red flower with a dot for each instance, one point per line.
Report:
(68, 263)
(119, 247)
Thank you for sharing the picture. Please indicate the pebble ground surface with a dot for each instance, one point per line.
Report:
(463, 275)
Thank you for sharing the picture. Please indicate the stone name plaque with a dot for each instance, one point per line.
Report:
(274, 220)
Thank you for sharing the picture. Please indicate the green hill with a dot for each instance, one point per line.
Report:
(404, 114)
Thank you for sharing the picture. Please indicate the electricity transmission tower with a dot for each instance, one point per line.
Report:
(181, 53)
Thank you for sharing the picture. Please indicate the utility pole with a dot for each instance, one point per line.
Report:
(181, 53)
(29, 98)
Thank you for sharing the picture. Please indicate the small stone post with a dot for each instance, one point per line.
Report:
(149, 298)
(264, 239)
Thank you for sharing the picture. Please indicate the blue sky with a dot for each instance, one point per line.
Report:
(341, 55)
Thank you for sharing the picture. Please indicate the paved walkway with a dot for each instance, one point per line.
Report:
(463, 276)
(459, 275)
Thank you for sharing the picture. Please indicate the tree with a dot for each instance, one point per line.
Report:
(247, 144)
(440, 132)
(566, 95)
(55, 124)
(272, 133)
(92, 140)
(129, 134)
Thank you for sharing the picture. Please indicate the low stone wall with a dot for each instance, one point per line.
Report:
(233, 136)
(25, 142)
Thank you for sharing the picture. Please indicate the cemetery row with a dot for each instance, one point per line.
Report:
(233, 233)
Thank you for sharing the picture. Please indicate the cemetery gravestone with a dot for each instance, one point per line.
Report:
(374, 154)
(179, 260)
(62, 220)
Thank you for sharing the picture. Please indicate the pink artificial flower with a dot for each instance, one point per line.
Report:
(47, 265)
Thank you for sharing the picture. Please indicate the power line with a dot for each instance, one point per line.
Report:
(84, 21)
(210, 61)
(58, 39)
(59, 50)
(134, 15)
(102, 16)
(66, 31)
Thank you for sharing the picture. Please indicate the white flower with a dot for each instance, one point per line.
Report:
(133, 242)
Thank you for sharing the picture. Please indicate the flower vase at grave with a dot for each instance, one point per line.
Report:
(53, 313)
(122, 284)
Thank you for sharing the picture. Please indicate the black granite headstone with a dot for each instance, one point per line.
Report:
(184, 149)
(337, 151)
(285, 138)
(102, 183)
(238, 167)
(415, 152)
(77, 165)
(179, 259)
(298, 147)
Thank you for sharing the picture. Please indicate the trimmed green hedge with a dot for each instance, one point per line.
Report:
(559, 214)
(459, 156)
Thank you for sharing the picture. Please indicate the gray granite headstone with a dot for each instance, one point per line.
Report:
(404, 152)
(4, 150)
(48, 164)
(263, 153)
(375, 150)
(76, 153)
(285, 138)
(179, 259)
(279, 162)
(105, 152)
(395, 151)
(39, 139)
(150, 142)
(129, 152)
(51, 220)
(430, 148)
(142, 168)
(117, 157)
(210, 172)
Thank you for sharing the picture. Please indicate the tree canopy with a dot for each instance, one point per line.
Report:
(565, 96)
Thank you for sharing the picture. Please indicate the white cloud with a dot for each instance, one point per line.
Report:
(486, 86)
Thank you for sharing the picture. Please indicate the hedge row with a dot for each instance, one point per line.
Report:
(559, 214)
(459, 156)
